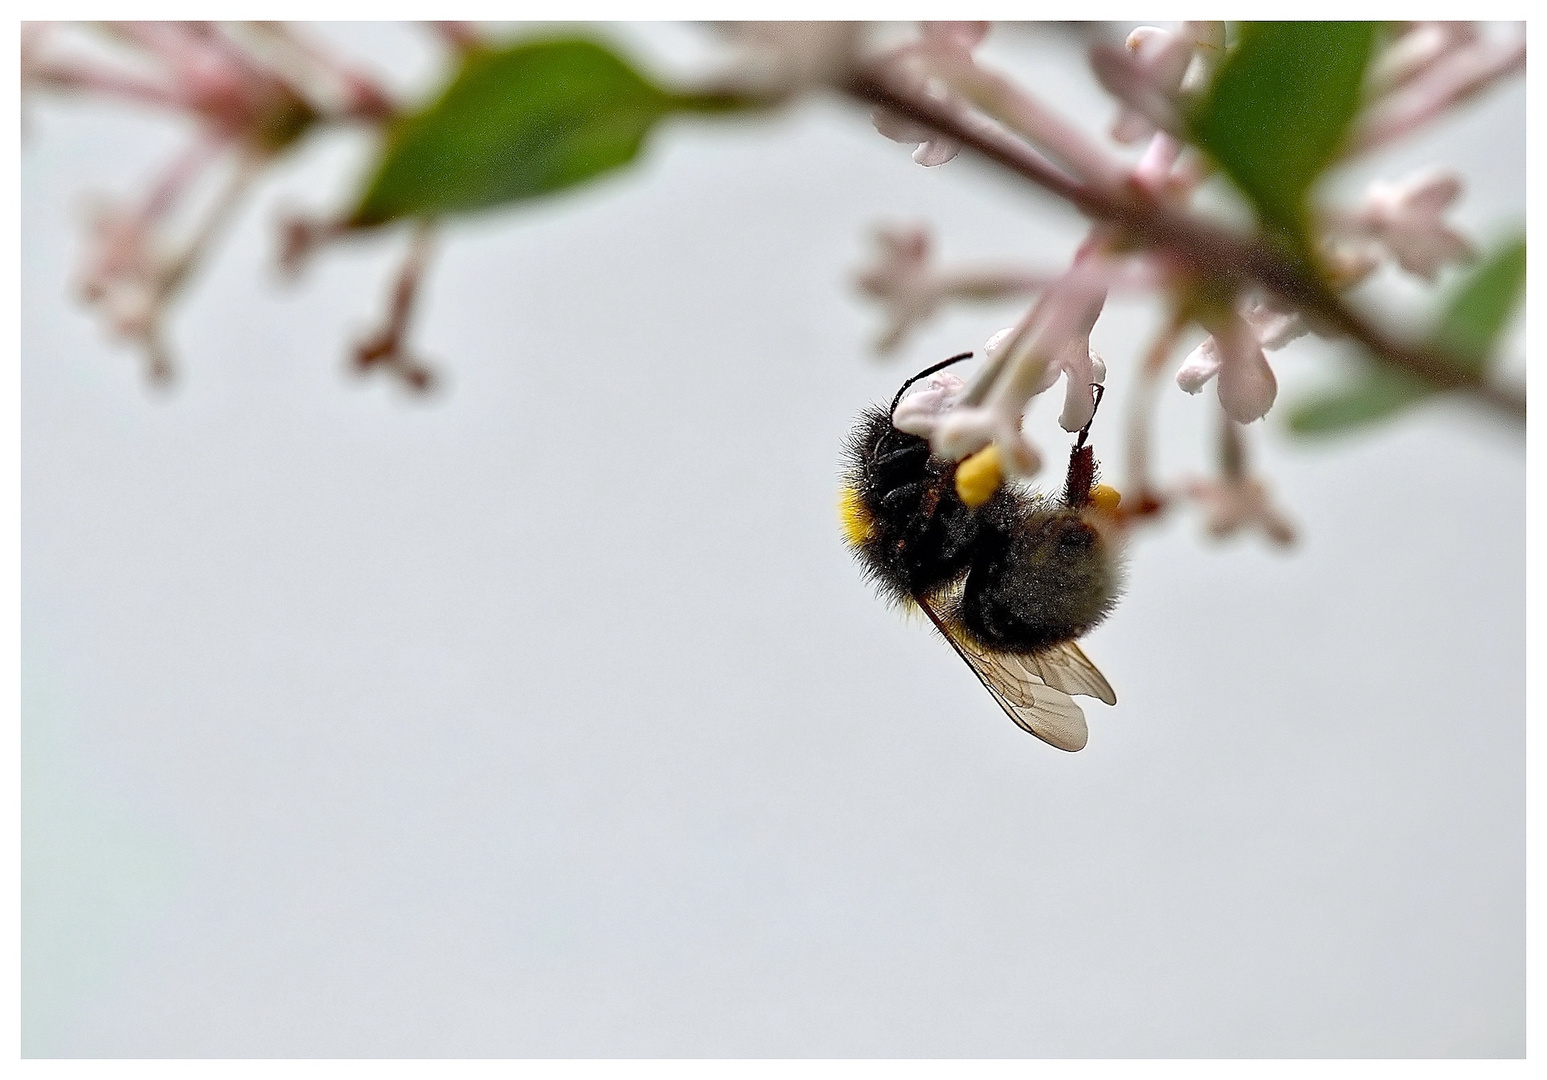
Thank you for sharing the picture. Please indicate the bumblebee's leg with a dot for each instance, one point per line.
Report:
(900, 454)
(899, 494)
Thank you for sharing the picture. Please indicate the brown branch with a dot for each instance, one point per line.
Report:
(388, 347)
(1210, 251)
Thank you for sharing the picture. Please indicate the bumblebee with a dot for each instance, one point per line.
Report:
(1009, 578)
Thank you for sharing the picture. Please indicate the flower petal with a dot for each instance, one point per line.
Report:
(1079, 399)
(936, 151)
(1201, 365)
(920, 412)
(1247, 385)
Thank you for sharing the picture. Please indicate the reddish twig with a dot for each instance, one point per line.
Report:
(388, 347)
(1206, 249)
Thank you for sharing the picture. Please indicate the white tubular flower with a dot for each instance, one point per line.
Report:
(1149, 75)
(1274, 329)
(1233, 352)
(1415, 52)
(1081, 368)
(947, 44)
(1418, 92)
(1065, 336)
(1053, 339)
(1160, 60)
(966, 429)
(1407, 219)
(911, 287)
(940, 65)
(782, 59)
(931, 149)
(919, 413)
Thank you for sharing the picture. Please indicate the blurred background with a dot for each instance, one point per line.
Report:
(548, 716)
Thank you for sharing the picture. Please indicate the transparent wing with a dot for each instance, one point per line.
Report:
(1046, 712)
(1065, 667)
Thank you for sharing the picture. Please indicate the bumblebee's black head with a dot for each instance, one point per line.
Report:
(901, 513)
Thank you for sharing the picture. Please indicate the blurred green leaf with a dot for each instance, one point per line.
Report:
(1279, 108)
(526, 120)
(1467, 333)
(1378, 393)
(1480, 311)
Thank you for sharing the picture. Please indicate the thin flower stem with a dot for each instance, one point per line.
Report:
(63, 75)
(388, 348)
(178, 177)
(1012, 105)
(1146, 498)
(1232, 450)
(220, 212)
(1207, 249)
(1462, 75)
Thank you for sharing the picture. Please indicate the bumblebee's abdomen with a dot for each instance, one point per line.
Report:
(1050, 580)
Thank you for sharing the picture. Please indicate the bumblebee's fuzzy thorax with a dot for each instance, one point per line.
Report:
(1017, 573)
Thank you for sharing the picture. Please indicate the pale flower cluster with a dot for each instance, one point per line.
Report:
(251, 89)
(1153, 76)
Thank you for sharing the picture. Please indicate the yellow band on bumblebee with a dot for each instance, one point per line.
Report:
(858, 525)
(979, 476)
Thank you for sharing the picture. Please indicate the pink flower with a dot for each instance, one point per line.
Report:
(1416, 52)
(910, 287)
(1079, 366)
(947, 44)
(1439, 75)
(1273, 327)
(1051, 340)
(1231, 504)
(1233, 352)
(1407, 219)
(784, 59)
(1148, 75)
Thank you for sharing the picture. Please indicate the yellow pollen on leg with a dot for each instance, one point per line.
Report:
(979, 476)
(858, 525)
(1105, 498)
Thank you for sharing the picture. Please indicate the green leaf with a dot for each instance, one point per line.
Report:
(518, 122)
(1378, 393)
(1477, 316)
(1280, 107)
(1467, 333)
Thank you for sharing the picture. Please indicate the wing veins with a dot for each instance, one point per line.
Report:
(1035, 708)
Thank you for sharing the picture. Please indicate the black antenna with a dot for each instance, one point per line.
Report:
(958, 358)
(1097, 389)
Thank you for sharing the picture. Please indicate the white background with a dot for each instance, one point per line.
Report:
(549, 717)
